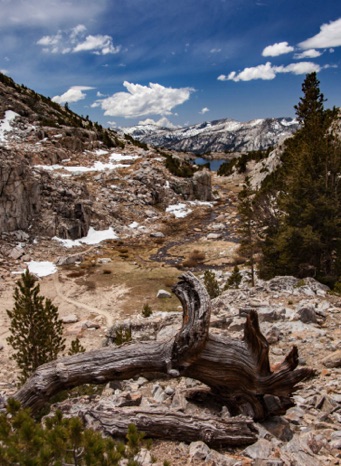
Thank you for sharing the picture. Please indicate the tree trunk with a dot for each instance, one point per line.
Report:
(172, 425)
(238, 372)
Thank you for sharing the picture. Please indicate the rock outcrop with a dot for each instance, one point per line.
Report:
(37, 203)
(20, 193)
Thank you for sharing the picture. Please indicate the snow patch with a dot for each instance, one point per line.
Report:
(289, 122)
(6, 124)
(41, 269)
(93, 237)
(97, 166)
(179, 210)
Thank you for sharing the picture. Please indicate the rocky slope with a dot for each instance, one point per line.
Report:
(217, 136)
(60, 173)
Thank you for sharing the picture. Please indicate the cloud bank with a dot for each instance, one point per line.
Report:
(75, 40)
(139, 100)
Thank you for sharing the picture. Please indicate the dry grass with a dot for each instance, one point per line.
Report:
(195, 259)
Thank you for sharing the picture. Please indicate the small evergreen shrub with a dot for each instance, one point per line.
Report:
(211, 284)
(61, 441)
(76, 347)
(234, 279)
(147, 310)
(122, 335)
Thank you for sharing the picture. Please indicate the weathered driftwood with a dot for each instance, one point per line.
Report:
(173, 425)
(238, 372)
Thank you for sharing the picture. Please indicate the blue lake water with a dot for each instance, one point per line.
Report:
(214, 164)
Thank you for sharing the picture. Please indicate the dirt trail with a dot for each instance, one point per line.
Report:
(108, 316)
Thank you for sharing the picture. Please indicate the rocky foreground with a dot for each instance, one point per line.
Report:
(291, 312)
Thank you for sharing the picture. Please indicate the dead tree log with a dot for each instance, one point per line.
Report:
(238, 372)
(214, 431)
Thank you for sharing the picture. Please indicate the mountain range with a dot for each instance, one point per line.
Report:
(224, 135)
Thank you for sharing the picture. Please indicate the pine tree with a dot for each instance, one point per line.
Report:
(307, 238)
(36, 330)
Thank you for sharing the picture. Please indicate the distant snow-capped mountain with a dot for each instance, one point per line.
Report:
(217, 136)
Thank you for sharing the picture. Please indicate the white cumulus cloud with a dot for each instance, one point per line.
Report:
(310, 53)
(329, 36)
(248, 74)
(101, 45)
(303, 67)
(277, 49)
(75, 40)
(139, 100)
(204, 110)
(268, 71)
(74, 94)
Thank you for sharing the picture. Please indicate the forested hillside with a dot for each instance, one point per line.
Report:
(303, 235)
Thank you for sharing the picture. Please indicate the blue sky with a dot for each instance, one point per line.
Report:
(174, 62)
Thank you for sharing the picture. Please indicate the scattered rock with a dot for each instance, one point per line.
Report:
(278, 427)
(214, 236)
(70, 319)
(90, 324)
(198, 451)
(307, 315)
(332, 360)
(260, 450)
(157, 234)
(16, 253)
(163, 294)
(69, 260)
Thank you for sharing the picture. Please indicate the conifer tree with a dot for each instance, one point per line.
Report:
(211, 284)
(234, 279)
(36, 330)
(307, 238)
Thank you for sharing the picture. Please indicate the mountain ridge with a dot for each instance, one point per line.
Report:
(224, 135)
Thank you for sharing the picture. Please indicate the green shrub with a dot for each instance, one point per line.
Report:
(182, 169)
(211, 284)
(147, 310)
(60, 441)
(76, 347)
(234, 279)
(122, 335)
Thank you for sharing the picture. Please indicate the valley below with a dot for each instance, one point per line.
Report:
(103, 287)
